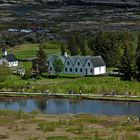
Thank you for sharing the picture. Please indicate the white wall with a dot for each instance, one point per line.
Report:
(13, 64)
(99, 70)
(96, 71)
(103, 70)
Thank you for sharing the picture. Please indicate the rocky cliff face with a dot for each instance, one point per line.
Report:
(112, 3)
(117, 3)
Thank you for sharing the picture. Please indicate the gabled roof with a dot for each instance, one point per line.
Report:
(10, 58)
(72, 59)
(83, 59)
(53, 57)
(97, 61)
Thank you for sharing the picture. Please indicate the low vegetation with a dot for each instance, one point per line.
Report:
(65, 83)
(67, 127)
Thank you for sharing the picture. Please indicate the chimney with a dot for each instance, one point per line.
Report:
(65, 54)
(4, 52)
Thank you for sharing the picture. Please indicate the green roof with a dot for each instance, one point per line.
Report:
(96, 60)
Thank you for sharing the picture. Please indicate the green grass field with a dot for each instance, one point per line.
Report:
(29, 50)
(64, 83)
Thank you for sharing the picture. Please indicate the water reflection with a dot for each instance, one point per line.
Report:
(74, 106)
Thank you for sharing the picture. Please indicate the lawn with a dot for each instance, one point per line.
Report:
(91, 85)
(29, 50)
(34, 126)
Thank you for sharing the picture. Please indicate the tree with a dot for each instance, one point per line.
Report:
(63, 48)
(138, 58)
(4, 73)
(58, 65)
(106, 45)
(72, 44)
(127, 64)
(39, 63)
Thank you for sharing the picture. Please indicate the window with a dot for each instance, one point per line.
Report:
(70, 69)
(88, 63)
(68, 63)
(78, 63)
(86, 71)
(76, 70)
(65, 69)
(48, 62)
(50, 68)
(81, 70)
(91, 70)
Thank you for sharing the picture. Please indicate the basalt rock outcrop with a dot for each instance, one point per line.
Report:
(113, 3)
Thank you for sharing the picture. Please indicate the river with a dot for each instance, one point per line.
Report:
(71, 106)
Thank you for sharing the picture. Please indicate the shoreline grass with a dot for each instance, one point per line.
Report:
(66, 127)
(74, 96)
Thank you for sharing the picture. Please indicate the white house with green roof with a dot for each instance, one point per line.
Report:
(83, 65)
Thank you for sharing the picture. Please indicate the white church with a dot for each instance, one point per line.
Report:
(82, 65)
(8, 59)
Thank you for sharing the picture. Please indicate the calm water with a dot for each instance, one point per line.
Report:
(74, 106)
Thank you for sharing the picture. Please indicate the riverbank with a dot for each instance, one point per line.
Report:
(67, 83)
(59, 95)
(35, 126)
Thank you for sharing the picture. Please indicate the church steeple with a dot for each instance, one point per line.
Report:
(4, 52)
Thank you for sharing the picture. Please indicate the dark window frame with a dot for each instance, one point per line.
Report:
(70, 69)
(78, 63)
(66, 69)
(91, 70)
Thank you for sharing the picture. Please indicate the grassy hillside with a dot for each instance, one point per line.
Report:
(29, 50)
